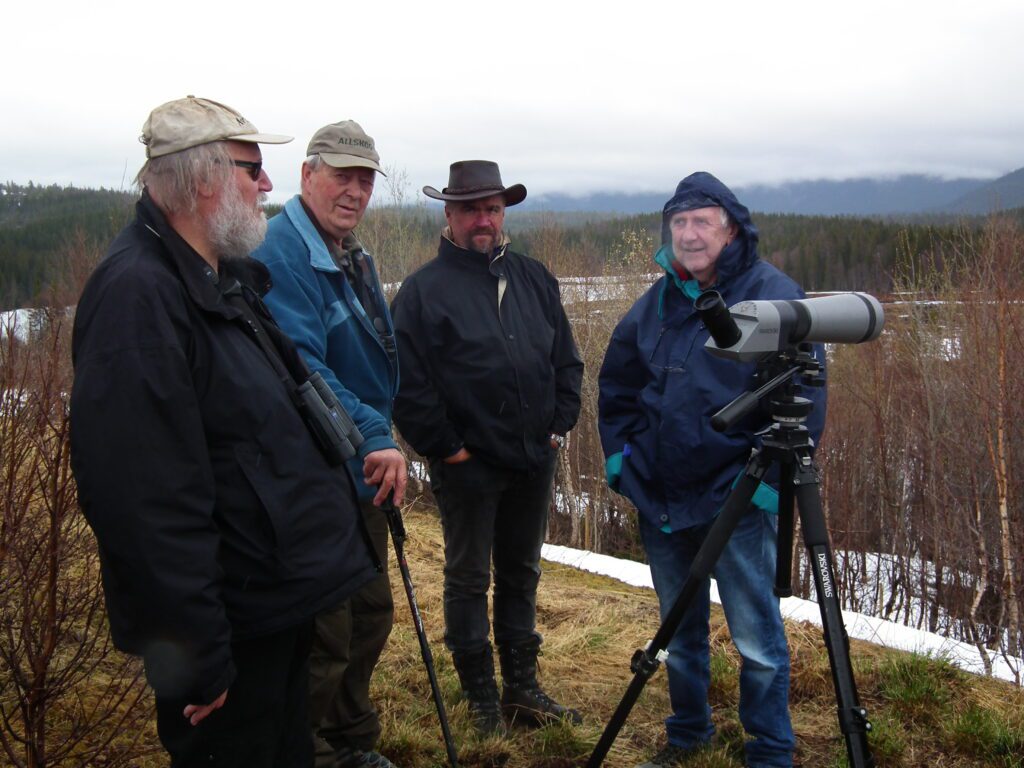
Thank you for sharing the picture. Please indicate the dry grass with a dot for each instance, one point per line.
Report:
(925, 713)
(591, 627)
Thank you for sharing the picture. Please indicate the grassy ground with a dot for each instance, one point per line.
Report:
(925, 712)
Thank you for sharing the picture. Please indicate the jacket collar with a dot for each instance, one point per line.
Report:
(664, 258)
(319, 255)
(198, 277)
(495, 263)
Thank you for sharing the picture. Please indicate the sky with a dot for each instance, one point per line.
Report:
(568, 97)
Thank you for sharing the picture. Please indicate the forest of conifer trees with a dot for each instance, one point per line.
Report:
(38, 223)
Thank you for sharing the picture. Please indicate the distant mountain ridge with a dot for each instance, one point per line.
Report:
(1004, 193)
(903, 195)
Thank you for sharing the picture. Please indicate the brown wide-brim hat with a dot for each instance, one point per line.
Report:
(474, 180)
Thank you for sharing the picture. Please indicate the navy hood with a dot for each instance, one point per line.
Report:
(702, 190)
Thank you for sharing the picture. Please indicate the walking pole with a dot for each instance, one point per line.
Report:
(398, 537)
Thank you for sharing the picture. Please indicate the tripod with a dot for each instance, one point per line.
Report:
(786, 442)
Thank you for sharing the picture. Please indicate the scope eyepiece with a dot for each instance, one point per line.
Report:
(715, 315)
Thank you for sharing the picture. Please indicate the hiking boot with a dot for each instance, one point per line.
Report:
(670, 755)
(522, 699)
(476, 675)
(346, 757)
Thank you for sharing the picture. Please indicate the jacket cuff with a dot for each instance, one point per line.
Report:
(613, 470)
(451, 445)
(376, 443)
(765, 497)
(221, 684)
(175, 678)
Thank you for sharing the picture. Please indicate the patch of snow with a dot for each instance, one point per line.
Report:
(16, 322)
(887, 634)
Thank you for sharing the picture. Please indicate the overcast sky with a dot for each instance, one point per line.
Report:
(566, 96)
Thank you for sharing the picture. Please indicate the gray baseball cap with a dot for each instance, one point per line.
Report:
(189, 122)
(345, 145)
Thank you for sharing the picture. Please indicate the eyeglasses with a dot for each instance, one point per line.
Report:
(254, 168)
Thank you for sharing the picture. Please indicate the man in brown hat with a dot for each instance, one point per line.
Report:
(327, 297)
(490, 386)
(222, 527)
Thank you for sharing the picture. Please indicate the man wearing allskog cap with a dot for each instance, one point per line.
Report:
(222, 528)
(327, 297)
(490, 386)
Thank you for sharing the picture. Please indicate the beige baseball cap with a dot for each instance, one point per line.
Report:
(345, 145)
(189, 122)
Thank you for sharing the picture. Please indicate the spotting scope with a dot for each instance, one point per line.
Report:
(751, 330)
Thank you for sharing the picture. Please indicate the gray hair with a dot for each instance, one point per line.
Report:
(727, 220)
(314, 162)
(173, 180)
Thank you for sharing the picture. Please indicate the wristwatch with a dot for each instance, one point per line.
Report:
(557, 440)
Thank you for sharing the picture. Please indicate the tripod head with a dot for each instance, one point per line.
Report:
(778, 378)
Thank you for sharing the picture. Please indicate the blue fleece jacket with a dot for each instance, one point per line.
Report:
(313, 303)
(659, 387)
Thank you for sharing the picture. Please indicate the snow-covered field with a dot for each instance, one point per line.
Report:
(885, 633)
(17, 322)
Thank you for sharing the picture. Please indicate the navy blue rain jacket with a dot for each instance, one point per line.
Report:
(659, 387)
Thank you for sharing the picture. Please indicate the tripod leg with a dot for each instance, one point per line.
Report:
(784, 553)
(645, 662)
(853, 720)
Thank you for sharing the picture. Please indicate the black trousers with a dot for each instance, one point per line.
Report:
(491, 514)
(263, 723)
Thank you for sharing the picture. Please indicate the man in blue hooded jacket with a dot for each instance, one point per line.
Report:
(658, 391)
(328, 298)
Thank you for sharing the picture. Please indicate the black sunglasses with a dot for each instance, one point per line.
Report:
(254, 168)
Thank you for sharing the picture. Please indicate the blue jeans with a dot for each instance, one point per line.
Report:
(491, 514)
(745, 574)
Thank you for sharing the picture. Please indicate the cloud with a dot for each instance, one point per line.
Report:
(567, 97)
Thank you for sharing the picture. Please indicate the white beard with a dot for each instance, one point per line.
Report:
(235, 230)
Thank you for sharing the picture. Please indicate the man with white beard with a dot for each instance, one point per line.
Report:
(223, 526)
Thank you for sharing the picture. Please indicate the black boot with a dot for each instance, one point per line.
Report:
(522, 699)
(476, 674)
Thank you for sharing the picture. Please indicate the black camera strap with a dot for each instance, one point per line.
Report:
(231, 289)
(328, 422)
(326, 418)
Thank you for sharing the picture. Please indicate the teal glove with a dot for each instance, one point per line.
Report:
(613, 468)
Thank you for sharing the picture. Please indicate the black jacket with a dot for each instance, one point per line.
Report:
(497, 380)
(216, 515)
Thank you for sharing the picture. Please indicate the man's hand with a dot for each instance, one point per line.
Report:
(460, 456)
(196, 713)
(386, 469)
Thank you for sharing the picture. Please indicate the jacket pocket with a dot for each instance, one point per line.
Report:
(264, 498)
(471, 473)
